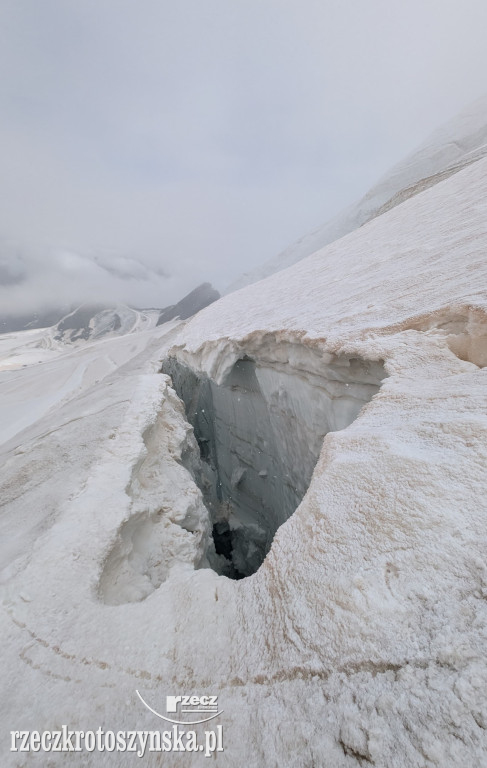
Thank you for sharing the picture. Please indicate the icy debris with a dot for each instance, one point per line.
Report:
(167, 524)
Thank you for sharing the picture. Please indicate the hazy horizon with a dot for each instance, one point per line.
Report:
(147, 149)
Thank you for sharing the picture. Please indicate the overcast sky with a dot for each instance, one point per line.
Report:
(147, 145)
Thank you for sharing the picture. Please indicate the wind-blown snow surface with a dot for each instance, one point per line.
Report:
(362, 637)
(459, 142)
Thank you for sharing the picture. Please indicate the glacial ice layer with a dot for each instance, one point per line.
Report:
(260, 433)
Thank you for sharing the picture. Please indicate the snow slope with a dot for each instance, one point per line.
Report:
(461, 141)
(362, 638)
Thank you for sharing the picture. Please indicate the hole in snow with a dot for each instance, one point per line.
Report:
(260, 434)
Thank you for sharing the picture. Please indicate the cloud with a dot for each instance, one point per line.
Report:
(12, 268)
(199, 139)
(125, 268)
(33, 281)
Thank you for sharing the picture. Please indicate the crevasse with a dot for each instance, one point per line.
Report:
(260, 432)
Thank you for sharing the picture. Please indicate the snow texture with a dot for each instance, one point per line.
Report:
(362, 638)
(456, 144)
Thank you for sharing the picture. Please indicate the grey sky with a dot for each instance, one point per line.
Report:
(201, 137)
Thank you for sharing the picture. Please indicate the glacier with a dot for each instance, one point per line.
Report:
(361, 637)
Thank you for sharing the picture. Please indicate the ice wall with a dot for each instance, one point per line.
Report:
(260, 433)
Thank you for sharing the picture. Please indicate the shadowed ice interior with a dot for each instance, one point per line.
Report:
(260, 434)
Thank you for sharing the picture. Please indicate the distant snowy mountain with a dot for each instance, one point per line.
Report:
(458, 143)
(92, 321)
(30, 321)
(201, 297)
